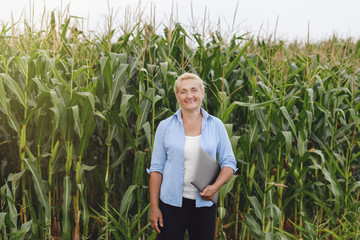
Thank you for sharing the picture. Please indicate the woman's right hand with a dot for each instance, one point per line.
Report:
(156, 219)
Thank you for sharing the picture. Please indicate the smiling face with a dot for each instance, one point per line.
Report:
(190, 94)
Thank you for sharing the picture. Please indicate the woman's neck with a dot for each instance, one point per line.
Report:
(192, 122)
(191, 115)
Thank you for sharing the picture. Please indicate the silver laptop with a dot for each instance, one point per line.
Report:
(206, 172)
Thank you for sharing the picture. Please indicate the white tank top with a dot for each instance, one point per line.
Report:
(191, 148)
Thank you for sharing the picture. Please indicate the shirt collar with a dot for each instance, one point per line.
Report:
(205, 114)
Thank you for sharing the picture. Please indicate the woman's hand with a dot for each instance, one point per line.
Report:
(210, 190)
(208, 193)
(156, 219)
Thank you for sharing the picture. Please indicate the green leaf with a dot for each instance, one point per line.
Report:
(105, 63)
(15, 177)
(257, 207)
(2, 218)
(275, 212)
(54, 70)
(53, 155)
(232, 65)
(333, 234)
(138, 219)
(119, 82)
(25, 227)
(70, 124)
(3, 101)
(228, 186)
(141, 232)
(138, 168)
(318, 152)
(341, 132)
(288, 118)
(40, 85)
(81, 70)
(221, 212)
(12, 216)
(64, 28)
(288, 141)
(310, 92)
(91, 98)
(354, 187)
(119, 160)
(21, 63)
(334, 184)
(164, 70)
(234, 143)
(254, 227)
(115, 225)
(85, 139)
(39, 186)
(147, 130)
(43, 99)
(125, 99)
(75, 113)
(257, 70)
(85, 210)
(309, 118)
(15, 89)
(83, 168)
(251, 106)
(66, 207)
(100, 114)
(229, 129)
(127, 200)
(145, 108)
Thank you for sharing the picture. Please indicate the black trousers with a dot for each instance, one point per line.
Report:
(200, 222)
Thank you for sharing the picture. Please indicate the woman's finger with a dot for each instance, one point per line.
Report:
(157, 227)
(161, 221)
(156, 219)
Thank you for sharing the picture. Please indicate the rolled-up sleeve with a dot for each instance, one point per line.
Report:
(158, 157)
(224, 150)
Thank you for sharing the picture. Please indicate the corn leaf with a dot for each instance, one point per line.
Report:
(15, 89)
(257, 207)
(66, 225)
(127, 200)
(39, 186)
(106, 72)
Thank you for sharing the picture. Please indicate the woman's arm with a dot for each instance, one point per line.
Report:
(227, 162)
(155, 213)
(224, 175)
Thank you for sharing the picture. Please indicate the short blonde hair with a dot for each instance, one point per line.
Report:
(188, 76)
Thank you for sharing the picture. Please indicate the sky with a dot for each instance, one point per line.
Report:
(286, 19)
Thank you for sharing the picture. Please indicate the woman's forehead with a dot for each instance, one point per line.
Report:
(190, 83)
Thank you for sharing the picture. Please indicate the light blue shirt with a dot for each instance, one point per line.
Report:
(168, 154)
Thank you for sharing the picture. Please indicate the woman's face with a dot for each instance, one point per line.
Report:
(190, 94)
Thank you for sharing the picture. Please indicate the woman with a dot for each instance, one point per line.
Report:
(175, 204)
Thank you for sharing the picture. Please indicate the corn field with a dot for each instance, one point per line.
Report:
(78, 116)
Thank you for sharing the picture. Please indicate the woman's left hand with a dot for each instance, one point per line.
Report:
(208, 192)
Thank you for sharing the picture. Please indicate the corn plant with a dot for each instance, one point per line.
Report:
(78, 114)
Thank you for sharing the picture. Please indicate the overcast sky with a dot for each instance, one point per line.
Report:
(321, 18)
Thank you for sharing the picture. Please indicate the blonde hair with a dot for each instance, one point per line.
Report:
(188, 76)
